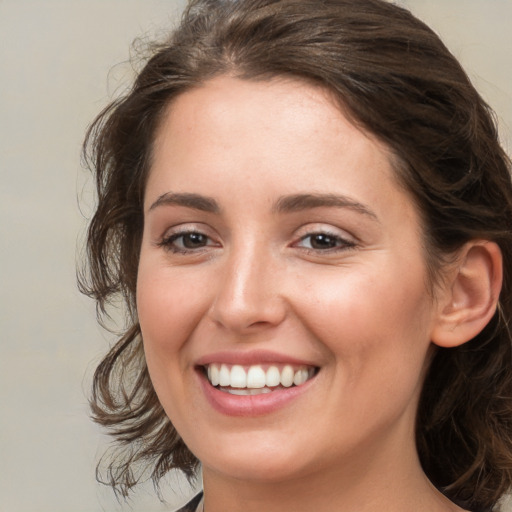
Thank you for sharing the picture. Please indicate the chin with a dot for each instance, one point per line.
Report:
(265, 462)
(256, 471)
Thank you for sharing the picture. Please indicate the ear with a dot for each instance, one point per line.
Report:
(469, 296)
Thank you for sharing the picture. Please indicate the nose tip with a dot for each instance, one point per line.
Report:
(249, 298)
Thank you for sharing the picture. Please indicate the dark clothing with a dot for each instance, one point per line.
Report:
(191, 505)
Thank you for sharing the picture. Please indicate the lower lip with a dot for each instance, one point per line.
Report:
(251, 405)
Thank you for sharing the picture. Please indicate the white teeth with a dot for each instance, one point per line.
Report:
(239, 391)
(213, 374)
(254, 379)
(273, 376)
(247, 391)
(224, 376)
(287, 376)
(238, 377)
(299, 378)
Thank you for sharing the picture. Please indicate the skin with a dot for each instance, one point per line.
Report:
(360, 312)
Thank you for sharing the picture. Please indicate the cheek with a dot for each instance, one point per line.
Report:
(167, 301)
(372, 321)
(169, 308)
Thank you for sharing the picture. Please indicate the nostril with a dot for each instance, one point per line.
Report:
(259, 323)
(248, 316)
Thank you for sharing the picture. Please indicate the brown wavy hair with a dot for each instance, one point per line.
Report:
(393, 77)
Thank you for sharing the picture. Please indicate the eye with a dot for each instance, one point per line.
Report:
(322, 241)
(186, 241)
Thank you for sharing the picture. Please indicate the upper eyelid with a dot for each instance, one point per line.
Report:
(303, 231)
(328, 229)
(186, 227)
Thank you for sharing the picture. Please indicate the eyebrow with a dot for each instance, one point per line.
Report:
(195, 201)
(285, 204)
(298, 202)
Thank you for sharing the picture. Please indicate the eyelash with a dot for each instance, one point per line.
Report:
(341, 244)
(169, 242)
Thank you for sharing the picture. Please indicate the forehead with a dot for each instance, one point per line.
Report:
(289, 127)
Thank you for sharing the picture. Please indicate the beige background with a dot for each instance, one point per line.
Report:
(57, 70)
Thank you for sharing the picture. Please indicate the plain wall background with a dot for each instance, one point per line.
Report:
(57, 70)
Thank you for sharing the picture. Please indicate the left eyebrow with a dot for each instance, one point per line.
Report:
(298, 202)
(194, 201)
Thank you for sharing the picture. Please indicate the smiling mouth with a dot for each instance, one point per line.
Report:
(257, 379)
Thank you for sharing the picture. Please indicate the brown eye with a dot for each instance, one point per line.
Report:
(324, 242)
(187, 241)
(193, 240)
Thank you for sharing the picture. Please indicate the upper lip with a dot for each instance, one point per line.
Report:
(251, 358)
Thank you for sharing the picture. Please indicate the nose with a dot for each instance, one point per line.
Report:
(249, 292)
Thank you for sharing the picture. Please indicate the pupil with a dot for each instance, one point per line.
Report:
(321, 241)
(193, 240)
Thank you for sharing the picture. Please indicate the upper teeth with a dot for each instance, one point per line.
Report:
(256, 376)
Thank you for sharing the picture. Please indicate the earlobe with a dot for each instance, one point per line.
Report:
(470, 295)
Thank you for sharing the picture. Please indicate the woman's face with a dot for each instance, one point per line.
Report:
(279, 248)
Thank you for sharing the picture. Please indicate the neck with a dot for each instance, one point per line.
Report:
(380, 481)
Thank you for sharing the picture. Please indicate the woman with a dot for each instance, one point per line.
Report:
(308, 214)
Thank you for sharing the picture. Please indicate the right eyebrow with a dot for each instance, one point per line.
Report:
(194, 201)
(298, 202)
